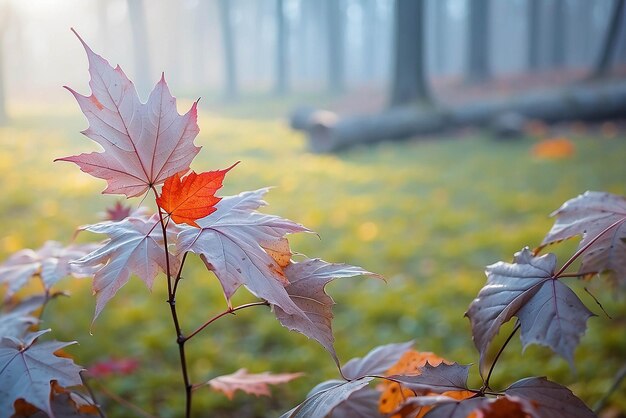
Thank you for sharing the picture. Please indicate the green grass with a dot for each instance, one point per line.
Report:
(427, 215)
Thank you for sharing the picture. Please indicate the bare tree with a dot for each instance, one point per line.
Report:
(603, 62)
(137, 16)
(409, 75)
(228, 46)
(478, 49)
(282, 43)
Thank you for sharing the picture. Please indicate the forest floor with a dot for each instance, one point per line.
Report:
(428, 215)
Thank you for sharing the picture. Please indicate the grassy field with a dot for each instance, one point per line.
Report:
(427, 215)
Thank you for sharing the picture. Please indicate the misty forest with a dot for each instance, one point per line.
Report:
(313, 208)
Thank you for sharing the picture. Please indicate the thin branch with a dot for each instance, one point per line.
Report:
(597, 302)
(226, 312)
(619, 377)
(124, 402)
(180, 338)
(180, 271)
(586, 247)
(495, 360)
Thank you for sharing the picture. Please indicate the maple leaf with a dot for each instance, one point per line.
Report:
(377, 361)
(362, 404)
(229, 242)
(27, 369)
(143, 143)
(252, 383)
(51, 262)
(117, 212)
(135, 246)
(307, 280)
(590, 215)
(437, 379)
(458, 404)
(549, 312)
(505, 407)
(393, 394)
(325, 397)
(549, 399)
(63, 405)
(192, 197)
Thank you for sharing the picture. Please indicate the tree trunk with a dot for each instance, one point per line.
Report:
(586, 102)
(603, 62)
(478, 41)
(533, 21)
(335, 44)
(140, 46)
(4, 19)
(228, 46)
(559, 34)
(3, 111)
(371, 35)
(409, 74)
(441, 22)
(281, 49)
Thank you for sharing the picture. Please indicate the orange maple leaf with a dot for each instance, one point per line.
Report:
(192, 197)
(394, 395)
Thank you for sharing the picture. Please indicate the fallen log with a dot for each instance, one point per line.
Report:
(584, 102)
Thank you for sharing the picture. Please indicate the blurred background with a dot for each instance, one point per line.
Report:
(506, 109)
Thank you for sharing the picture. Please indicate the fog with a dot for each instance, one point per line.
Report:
(185, 39)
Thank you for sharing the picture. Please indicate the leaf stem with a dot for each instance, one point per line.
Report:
(495, 360)
(171, 300)
(586, 247)
(226, 312)
(180, 271)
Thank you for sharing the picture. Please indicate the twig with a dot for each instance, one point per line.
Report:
(597, 302)
(621, 374)
(124, 402)
(226, 312)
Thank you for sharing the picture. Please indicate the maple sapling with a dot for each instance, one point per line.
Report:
(147, 148)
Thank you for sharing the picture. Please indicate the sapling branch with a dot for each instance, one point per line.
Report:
(230, 310)
(180, 339)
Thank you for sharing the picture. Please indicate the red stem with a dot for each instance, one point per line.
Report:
(226, 312)
(171, 300)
